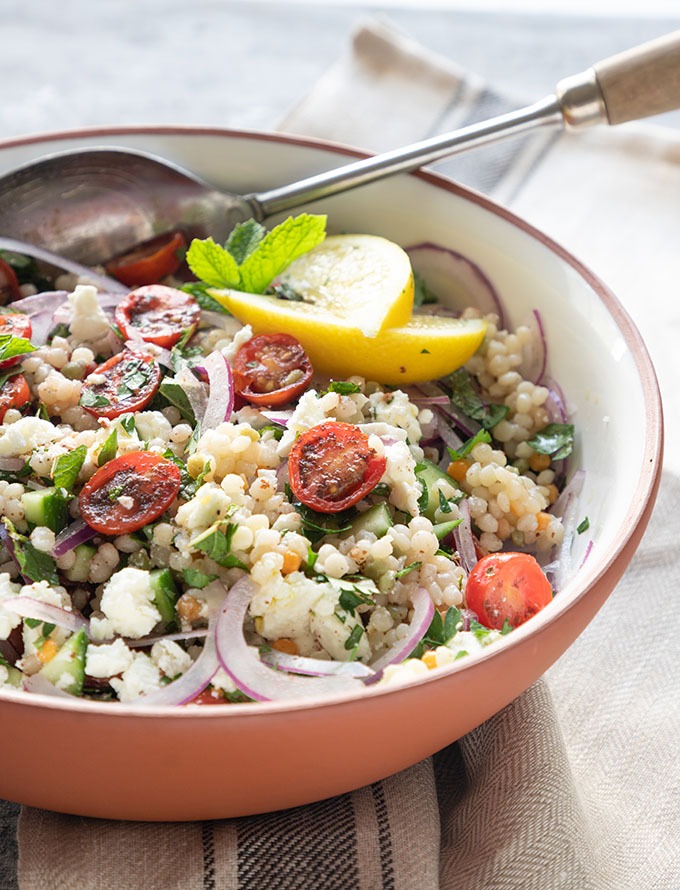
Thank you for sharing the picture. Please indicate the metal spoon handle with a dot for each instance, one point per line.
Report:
(634, 84)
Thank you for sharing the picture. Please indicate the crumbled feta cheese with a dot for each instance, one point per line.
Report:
(8, 620)
(127, 601)
(88, 321)
(100, 628)
(126, 502)
(170, 658)
(140, 678)
(154, 428)
(108, 660)
(209, 504)
(21, 438)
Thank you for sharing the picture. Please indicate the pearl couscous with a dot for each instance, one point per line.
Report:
(96, 604)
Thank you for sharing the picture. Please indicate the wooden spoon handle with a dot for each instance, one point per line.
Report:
(642, 81)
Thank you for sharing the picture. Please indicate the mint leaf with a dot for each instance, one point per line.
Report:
(175, 395)
(482, 436)
(198, 289)
(555, 439)
(109, 448)
(11, 346)
(213, 264)
(196, 578)
(466, 398)
(67, 467)
(245, 239)
(277, 250)
(583, 526)
(216, 543)
(34, 564)
(342, 387)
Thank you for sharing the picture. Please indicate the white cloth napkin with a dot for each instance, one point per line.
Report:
(575, 784)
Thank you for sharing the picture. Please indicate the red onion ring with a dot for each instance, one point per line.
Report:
(37, 684)
(10, 464)
(243, 664)
(455, 279)
(423, 610)
(29, 607)
(76, 533)
(191, 683)
(535, 353)
(195, 391)
(314, 667)
(463, 539)
(221, 393)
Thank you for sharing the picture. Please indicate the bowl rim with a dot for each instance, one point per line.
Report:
(631, 525)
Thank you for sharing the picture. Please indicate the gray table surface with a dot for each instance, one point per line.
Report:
(243, 64)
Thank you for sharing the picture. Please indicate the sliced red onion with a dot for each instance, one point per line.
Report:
(250, 675)
(38, 684)
(466, 425)
(566, 507)
(463, 539)
(29, 607)
(418, 397)
(78, 532)
(11, 464)
(588, 551)
(535, 352)
(423, 610)
(191, 683)
(280, 417)
(448, 436)
(314, 667)
(103, 282)
(144, 642)
(556, 404)
(221, 393)
(8, 543)
(467, 616)
(195, 391)
(456, 280)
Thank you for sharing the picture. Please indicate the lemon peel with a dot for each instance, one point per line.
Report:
(425, 348)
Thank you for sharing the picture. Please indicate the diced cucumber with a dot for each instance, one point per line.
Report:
(164, 593)
(442, 529)
(376, 519)
(13, 674)
(80, 569)
(48, 507)
(433, 481)
(69, 662)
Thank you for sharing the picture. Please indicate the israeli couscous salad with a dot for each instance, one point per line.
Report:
(273, 469)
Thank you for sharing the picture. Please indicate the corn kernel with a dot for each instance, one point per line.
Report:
(429, 659)
(539, 462)
(47, 651)
(457, 470)
(291, 562)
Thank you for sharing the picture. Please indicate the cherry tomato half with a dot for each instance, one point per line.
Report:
(9, 284)
(271, 370)
(332, 466)
(124, 383)
(17, 325)
(14, 393)
(209, 696)
(129, 492)
(157, 314)
(149, 261)
(507, 587)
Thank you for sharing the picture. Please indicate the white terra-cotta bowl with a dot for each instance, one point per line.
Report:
(115, 761)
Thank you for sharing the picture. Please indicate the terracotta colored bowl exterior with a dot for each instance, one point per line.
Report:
(117, 761)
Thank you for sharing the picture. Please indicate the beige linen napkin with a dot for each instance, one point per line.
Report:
(575, 784)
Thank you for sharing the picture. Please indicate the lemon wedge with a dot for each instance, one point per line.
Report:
(424, 348)
(364, 278)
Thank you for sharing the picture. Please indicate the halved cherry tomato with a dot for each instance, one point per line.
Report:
(332, 467)
(157, 314)
(17, 325)
(149, 261)
(271, 370)
(9, 283)
(507, 587)
(129, 492)
(209, 696)
(14, 393)
(124, 383)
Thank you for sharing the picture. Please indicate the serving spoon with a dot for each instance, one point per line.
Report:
(91, 204)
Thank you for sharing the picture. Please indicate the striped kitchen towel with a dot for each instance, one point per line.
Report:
(575, 784)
